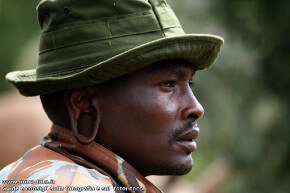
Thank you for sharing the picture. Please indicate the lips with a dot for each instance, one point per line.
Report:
(189, 135)
(186, 139)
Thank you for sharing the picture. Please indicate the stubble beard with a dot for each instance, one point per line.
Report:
(168, 168)
(163, 169)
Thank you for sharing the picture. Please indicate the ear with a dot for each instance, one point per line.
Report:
(84, 119)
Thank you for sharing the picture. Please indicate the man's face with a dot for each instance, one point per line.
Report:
(148, 118)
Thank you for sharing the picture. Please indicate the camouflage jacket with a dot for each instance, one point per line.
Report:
(62, 164)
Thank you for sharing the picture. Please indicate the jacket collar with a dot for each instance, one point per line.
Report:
(95, 156)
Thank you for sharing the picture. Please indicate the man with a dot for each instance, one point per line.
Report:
(114, 78)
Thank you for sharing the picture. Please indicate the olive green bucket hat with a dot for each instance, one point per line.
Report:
(88, 42)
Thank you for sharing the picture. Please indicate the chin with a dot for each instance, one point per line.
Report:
(175, 168)
(181, 169)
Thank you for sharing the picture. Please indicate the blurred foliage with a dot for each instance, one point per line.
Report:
(18, 24)
(245, 94)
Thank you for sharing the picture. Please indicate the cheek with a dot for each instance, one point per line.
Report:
(153, 110)
(144, 113)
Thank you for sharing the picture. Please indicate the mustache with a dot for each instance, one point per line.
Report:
(175, 133)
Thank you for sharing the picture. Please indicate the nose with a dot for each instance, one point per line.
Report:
(192, 110)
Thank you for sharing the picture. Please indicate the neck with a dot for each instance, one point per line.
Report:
(95, 156)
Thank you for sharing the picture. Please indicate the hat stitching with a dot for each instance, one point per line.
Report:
(96, 40)
(109, 36)
(54, 46)
(105, 20)
(157, 18)
(75, 69)
(108, 19)
(109, 28)
(91, 22)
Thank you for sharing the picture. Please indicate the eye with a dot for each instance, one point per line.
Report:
(191, 84)
(168, 84)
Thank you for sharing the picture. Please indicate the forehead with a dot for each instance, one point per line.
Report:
(178, 68)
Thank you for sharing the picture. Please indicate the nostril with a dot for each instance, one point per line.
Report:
(192, 117)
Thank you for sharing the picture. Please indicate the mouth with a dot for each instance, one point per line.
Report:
(186, 139)
(188, 146)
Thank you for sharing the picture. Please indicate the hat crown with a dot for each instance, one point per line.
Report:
(52, 13)
(78, 34)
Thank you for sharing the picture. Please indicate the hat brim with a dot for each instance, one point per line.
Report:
(198, 49)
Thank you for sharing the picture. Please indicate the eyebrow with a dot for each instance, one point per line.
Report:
(178, 71)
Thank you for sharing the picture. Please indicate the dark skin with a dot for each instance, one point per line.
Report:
(147, 117)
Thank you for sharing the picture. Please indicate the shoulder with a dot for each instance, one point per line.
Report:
(61, 173)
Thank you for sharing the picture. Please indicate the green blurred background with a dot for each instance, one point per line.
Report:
(245, 94)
